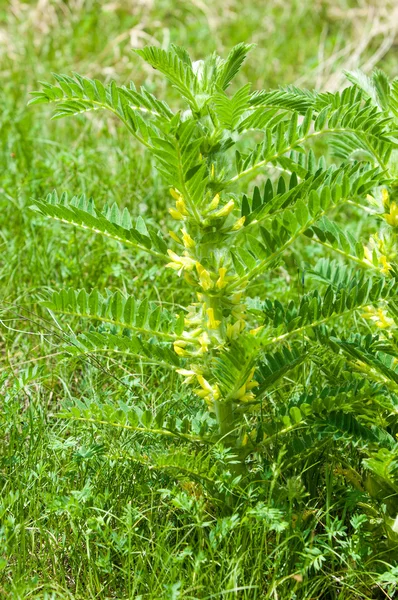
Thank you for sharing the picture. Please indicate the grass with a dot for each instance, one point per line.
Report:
(82, 516)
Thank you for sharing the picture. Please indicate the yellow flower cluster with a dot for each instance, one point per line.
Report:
(245, 394)
(392, 217)
(379, 317)
(208, 392)
(180, 212)
(375, 255)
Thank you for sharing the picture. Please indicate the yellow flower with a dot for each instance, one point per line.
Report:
(204, 342)
(212, 323)
(392, 218)
(383, 321)
(239, 224)
(188, 374)
(176, 214)
(385, 196)
(179, 346)
(181, 207)
(386, 265)
(186, 238)
(201, 393)
(225, 210)
(204, 384)
(180, 263)
(175, 193)
(221, 283)
(214, 203)
(207, 391)
(204, 277)
(379, 317)
(257, 330)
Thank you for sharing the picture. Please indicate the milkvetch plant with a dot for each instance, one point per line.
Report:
(239, 343)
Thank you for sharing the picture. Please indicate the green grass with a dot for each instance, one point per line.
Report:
(82, 515)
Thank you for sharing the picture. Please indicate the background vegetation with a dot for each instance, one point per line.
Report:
(77, 519)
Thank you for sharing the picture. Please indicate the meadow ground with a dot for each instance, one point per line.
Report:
(78, 521)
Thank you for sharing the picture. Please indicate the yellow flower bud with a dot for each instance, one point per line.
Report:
(214, 203)
(181, 207)
(186, 238)
(240, 393)
(221, 283)
(257, 330)
(175, 193)
(386, 267)
(246, 397)
(385, 197)
(201, 393)
(179, 348)
(204, 384)
(176, 214)
(204, 277)
(180, 263)
(188, 374)
(212, 171)
(239, 224)
(252, 384)
(204, 341)
(225, 210)
(212, 322)
(392, 218)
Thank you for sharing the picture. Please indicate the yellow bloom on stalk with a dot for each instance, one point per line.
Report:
(176, 214)
(257, 330)
(204, 277)
(187, 240)
(225, 210)
(244, 394)
(215, 202)
(379, 317)
(188, 374)
(204, 342)
(180, 263)
(386, 267)
(204, 384)
(207, 391)
(212, 321)
(182, 207)
(376, 252)
(239, 224)
(385, 196)
(368, 254)
(221, 283)
(179, 347)
(392, 218)
(175, 193)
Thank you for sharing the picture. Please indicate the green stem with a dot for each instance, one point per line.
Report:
(225, 419)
